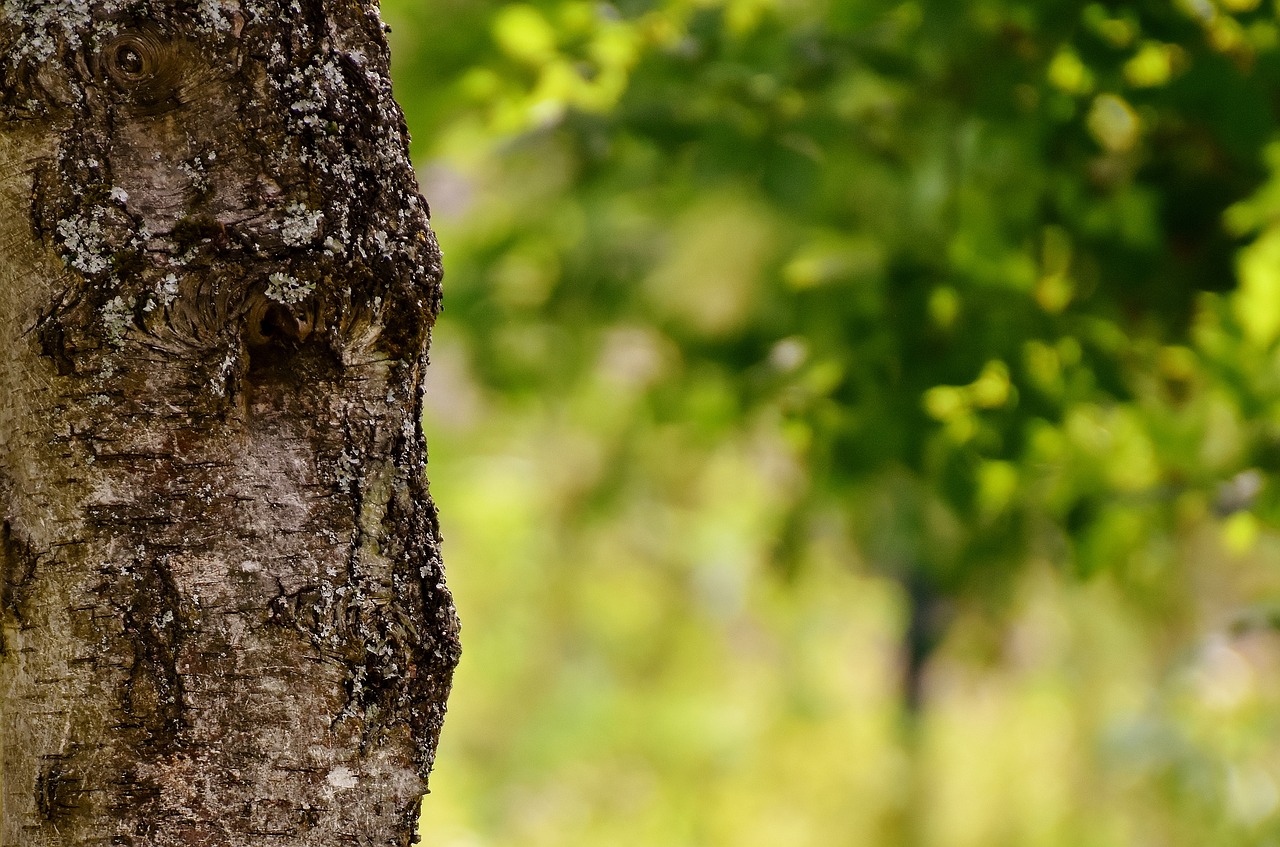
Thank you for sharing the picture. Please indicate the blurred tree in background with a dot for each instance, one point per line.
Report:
(855, 421)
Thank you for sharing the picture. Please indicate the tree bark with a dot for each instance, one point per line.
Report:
(223, 618)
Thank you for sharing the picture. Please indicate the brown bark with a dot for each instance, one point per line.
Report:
(223, 618)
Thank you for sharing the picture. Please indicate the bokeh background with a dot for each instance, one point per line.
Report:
(855, 422)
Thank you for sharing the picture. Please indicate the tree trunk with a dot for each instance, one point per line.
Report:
(224, 620)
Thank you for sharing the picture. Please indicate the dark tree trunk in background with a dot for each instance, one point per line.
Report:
(224, 617)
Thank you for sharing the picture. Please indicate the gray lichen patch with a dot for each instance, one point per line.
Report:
(288, 290)
(117, 318)
(300, 225)
(83, 243)
(167, 290)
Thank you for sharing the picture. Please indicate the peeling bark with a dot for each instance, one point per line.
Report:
(223, 618)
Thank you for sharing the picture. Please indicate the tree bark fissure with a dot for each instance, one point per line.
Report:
(223, 618)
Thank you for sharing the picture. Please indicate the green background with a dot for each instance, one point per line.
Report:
(855, 422)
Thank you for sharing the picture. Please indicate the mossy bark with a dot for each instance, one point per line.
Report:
(223, 618)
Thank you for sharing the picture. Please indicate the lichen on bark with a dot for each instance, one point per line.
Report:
(223, 618)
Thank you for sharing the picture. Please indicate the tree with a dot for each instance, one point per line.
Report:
(224, 612)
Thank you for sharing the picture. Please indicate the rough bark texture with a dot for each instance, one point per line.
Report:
(223, 619)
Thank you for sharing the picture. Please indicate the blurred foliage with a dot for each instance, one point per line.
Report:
(854, 421)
